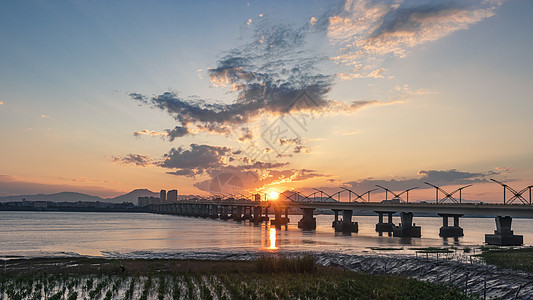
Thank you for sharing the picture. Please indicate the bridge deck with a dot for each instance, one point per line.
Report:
(513, 210)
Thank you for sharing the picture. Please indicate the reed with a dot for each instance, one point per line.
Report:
(284, 264)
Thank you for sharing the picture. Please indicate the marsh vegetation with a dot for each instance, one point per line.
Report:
(268, 277)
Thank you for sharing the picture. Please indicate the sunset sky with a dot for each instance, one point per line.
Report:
(103, 97)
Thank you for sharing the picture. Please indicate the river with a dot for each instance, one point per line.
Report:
(142, 234)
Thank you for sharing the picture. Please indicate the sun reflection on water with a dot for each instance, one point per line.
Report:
(272, 239)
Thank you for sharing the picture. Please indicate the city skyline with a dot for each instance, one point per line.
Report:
(108, 97)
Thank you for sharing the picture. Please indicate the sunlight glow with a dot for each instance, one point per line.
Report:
(272, 238)
(273, 195)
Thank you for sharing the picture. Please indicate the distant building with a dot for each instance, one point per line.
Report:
(40, 204)
(163, 195)
(172, 196)
(143, 201)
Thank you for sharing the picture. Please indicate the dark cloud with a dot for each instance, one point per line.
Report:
(178, 131)
(195, 160)
(133, 159)
(216, 160)
(410, 18)
(301, 149)
(455, 177)
(376, 28)
(266, 76)
(258, 176)
(285, 141)
(297, 145)
(246, 135)
(439, 178)
(184, 172)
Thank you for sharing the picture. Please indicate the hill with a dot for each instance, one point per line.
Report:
(75, 197)
(132, 196)
(57, 197)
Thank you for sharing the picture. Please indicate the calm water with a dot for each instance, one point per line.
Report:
(127, 234)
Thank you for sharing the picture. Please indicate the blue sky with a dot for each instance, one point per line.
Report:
(104, 97)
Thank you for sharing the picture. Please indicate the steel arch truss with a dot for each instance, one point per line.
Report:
(397, 195)
(517, 195)
(448, 196)
(357, 196)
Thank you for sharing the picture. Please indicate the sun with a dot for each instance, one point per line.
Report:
(273, 195)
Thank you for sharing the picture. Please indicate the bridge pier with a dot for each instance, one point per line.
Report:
(236, 213)
(450, 231)
(278, 219)
(336, 220)
(198, 210)
(213, 211)
(503, 235)
(406, 228)
(265, 217)
(346, 224)
(247, 213)
(224, 213)
(258, 214)
(204, 210)
(382, 226)
(308, 222)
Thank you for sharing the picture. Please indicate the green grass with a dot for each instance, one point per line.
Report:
(284, 264)
(509, 258)
(268, 277)
(336, 285)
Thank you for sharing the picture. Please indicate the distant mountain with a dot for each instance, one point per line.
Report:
(132, 196)
(75, 197)
(58, 197)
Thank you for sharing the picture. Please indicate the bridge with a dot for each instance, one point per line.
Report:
(257, 211)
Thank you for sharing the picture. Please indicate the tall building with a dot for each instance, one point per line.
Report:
(163, 196)
(172, 196)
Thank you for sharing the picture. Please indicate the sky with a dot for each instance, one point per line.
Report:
(103, 97)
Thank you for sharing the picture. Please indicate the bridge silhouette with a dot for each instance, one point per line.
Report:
(256, 210)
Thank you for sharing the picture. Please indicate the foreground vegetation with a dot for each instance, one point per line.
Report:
(510, 258)
(269, 277)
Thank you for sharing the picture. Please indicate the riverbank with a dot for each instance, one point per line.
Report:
(471, 274)
(267, 277)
